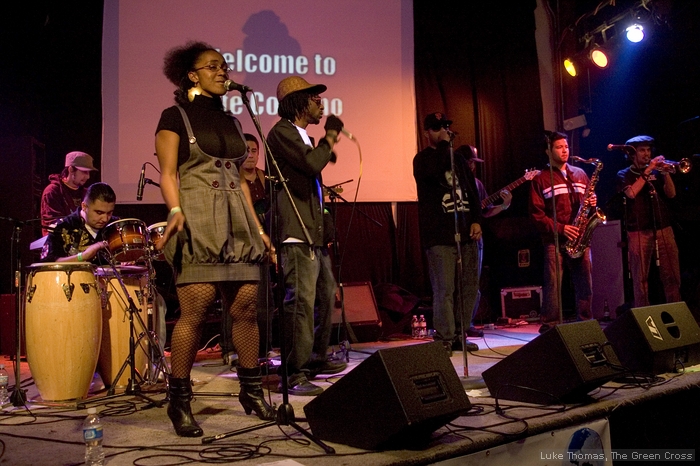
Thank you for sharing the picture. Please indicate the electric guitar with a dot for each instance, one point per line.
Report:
(529, 174)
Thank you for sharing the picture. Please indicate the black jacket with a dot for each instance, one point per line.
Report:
(301, 166)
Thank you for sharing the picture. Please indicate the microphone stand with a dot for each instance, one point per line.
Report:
(18, 396)
(557, 253)
(285, 412)
(467, 382)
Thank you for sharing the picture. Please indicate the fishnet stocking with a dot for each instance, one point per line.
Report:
(194, 299)
(240, 298)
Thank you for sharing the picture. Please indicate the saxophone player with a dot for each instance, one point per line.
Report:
(559, 192)
(648, 185)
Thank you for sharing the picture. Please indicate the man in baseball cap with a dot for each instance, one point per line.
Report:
(304, 256)
(66, 190)
(443, 197)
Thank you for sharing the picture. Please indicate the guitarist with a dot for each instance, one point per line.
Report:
(471, 155)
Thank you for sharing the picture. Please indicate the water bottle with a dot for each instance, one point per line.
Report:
(92, 434)
(414, 327)
(4, 380)
(423, 325)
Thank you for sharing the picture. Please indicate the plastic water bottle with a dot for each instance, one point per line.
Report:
(4, 380)
(414, 327)
(92, 434)
(423, 325)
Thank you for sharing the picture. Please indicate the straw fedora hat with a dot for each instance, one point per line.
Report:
(292, 84)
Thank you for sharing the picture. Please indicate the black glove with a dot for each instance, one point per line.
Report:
(333, 123)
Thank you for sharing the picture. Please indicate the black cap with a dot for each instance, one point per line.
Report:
(436, 121)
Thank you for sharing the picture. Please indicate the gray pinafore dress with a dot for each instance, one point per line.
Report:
(220, 241)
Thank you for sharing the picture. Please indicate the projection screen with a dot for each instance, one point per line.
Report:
(362, 50)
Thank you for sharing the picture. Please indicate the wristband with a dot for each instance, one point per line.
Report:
(173, 211)
(261, 230)
(504, 206)
(80, 257)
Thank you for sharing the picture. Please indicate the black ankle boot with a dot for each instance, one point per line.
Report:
(179, 412)
(251, 395)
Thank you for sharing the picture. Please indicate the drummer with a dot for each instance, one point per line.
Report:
(77, 237)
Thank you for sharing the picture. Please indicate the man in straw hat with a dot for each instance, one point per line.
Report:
(306, 264)
(66, 190)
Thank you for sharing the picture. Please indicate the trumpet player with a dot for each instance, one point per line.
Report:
(555, 198)
(647, 185)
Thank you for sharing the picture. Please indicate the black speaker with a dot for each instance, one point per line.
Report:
(397, 396)
(360, 312)
(656, 339)
(561, 365)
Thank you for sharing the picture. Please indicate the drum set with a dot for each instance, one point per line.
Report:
(81, 318)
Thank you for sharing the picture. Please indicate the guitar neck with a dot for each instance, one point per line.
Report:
(495, 196)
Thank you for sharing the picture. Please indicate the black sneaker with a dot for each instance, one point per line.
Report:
(300, 386)
(327, 368)
(448, 347)
(475, 332)
(471, 346)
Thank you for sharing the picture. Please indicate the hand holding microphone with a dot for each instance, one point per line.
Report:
(333, 123)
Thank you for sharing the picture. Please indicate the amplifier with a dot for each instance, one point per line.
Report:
(522, 303)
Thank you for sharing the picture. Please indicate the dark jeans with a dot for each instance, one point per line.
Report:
(307, 281)
(443, 271)
(641, 252)
(580, 271)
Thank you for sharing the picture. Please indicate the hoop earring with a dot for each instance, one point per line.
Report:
(193, 91)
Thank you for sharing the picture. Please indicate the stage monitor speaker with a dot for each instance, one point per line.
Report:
(562, 365)
(656, 339)
(397, 396)
(360, 312)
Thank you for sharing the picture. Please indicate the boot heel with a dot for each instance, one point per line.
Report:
(251, 395)
(179, 411)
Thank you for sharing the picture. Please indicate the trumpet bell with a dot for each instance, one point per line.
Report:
(685, 165)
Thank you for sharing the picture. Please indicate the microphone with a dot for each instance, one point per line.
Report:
(622, 147)
(347, 134)
(142, 182)
(231, 85)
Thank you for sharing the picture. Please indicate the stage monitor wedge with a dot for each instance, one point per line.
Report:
(656, 339)
(561, 365)
(397, 396)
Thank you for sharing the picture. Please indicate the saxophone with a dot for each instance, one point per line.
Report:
(588, 217)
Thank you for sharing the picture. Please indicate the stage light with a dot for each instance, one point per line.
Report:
(599, 57)
(635, 33)
(570, 66)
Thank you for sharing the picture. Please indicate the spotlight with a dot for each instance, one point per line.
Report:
(570, 67)
(635, 33)
(599, 57)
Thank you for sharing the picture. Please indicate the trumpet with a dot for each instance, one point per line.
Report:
(669, 166)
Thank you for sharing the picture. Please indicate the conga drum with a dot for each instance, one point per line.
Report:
(63, 328)
(155, 233)
(127, 239)
(114, 349)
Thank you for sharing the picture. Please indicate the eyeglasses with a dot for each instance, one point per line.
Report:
(438, 127)
(214, 68)
(316, 99)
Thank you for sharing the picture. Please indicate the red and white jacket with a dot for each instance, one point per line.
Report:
(568, 191)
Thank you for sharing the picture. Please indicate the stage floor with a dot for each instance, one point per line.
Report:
(138, 433)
